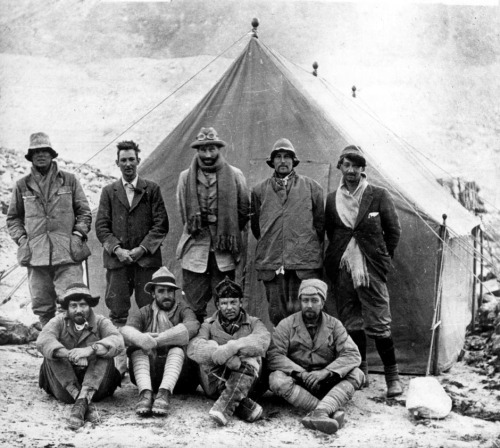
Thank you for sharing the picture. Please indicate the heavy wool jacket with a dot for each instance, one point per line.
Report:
(377, 231)
(289, 233)
(293, 349)
(48, 224)
(145, 223)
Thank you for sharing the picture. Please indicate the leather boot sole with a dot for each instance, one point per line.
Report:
(160, 407)
(324, 423)
(218, 417)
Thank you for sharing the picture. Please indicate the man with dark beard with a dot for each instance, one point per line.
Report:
(214, 203)
(157, 336)
(78, 349)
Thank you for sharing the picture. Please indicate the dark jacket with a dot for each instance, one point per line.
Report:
(145, 223)
(289, 233)
(377, 231)
(48, 225)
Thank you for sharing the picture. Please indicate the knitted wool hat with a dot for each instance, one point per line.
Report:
(162, 277)
(207, 136)
(227, 288)
(283, 144)
(313, 286)
(78, 291)
(39, 140)
(353, 153)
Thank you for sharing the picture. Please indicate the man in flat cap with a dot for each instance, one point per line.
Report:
(49, 218)
(214, 203)
(363, 231)
(78, 347)
(287, 219)
(157, 336)
(229, 349)
(314, 361)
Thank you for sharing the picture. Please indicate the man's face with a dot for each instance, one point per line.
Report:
(128, 162)
(208, 154)
(283, 163)
(78, 311)
(41, 159)
(351, 171)
(164, 296)
(230, 307)
(311, 305)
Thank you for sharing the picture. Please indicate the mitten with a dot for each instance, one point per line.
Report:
(224, 352)
(234, 363)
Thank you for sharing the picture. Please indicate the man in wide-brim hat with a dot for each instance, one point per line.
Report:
(157, 335)
(214, 203)
(49, 218)
(287, 219)
(78, 347)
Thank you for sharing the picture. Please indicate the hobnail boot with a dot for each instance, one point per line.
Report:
(145, 403)
(77, 415)
(162, 402)
(320, 420)
(248, 410)
(218, 417)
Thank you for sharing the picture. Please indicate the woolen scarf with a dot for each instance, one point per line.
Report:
(162, 320)
(228, 237)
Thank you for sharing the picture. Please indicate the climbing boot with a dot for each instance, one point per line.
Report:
(218, 417)
(77, 415)
(162, 402)
(394, 387)
(364, 368)
(320, 420)
(145, 403)
(248, 410)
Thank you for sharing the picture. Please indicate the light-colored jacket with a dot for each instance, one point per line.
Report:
(293, 349)
(48, 225)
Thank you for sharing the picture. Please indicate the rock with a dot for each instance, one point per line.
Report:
(426, 398)
(495, 344)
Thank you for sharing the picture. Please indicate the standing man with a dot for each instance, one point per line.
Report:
(49, 218)
(213, 201)
(158, 335)
(229, 349)
(78, 349)
(288, 223)
(315, 362)
(131, 224)
(363, 229)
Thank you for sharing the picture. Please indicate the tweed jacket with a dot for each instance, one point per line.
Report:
(48, 225)
(377, 231)
(60, 333)
(293, 349)
(145, 223)
(289, 233)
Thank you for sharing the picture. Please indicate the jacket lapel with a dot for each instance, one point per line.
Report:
(139, 193)
(324, 331)
(301, 330)
(120, 193)
(33, 186)
(366, 201)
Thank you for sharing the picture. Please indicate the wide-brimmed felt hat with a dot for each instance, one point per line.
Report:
(313, 286)
(208, 136)
(78, 291)
(39, 140)
(283, 144)
(353, 152)
(162, 277)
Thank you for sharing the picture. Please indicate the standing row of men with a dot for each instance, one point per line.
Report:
(49, 218)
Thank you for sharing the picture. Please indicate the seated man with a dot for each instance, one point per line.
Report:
(229, 349)
(314, 361)
(156, 335)
(78, 349)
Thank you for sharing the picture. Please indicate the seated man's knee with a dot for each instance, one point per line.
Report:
(280, 383)
(356, 377)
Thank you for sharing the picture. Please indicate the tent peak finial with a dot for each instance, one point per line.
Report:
(255, 25)
(353, 88)
(315, 68)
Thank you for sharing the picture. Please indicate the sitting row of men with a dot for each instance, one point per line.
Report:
(310, 360)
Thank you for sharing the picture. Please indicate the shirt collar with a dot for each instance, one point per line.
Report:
(362, 182)
(134, 182)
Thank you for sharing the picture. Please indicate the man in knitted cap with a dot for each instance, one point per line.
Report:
(363, 230)
(287, 219)
(214, 203)
(229, 349)
(78, 349)
(157, 336)
(314, 361)
(49, 218)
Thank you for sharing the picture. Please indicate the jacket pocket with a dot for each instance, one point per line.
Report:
(78, 249)
(24, 253)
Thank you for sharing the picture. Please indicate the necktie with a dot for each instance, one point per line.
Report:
(130, 190)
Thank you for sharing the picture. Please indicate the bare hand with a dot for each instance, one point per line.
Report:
(124, 255)
(136, 253)
(76, 354)
(312, 379)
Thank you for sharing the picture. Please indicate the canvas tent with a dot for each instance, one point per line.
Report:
(263, 97)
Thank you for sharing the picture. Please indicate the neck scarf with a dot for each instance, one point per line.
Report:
(283, 181)
(162, 320)
(45, 182)
(228, 237)
(353, 259)
(231, 327)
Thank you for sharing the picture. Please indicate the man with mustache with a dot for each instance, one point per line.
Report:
(287, 219)
(49, 218)
(363, 231)
(213, 201)
(314, 361)
(78, 348)
(131, 224)
(157, 336)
